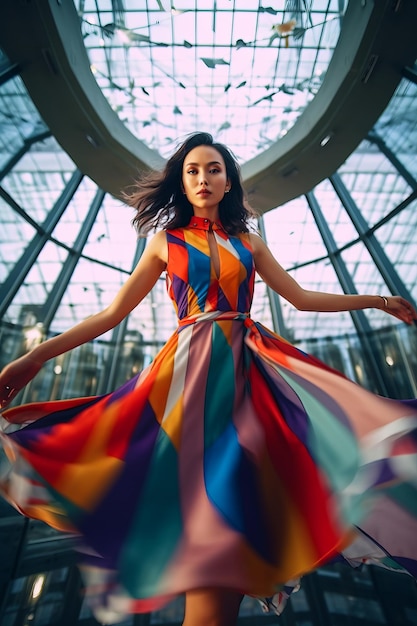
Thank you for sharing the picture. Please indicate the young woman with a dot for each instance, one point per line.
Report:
(234, 463)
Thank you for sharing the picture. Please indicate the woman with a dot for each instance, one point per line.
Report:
(234, 462)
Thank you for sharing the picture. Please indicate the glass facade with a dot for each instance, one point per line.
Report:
(66, 247)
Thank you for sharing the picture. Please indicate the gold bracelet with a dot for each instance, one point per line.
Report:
(385, 301)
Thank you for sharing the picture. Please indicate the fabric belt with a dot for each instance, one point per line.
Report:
(213, 316)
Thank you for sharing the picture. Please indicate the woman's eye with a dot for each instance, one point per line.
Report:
(213, 170)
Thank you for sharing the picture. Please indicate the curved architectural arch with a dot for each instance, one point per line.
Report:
(376, 42)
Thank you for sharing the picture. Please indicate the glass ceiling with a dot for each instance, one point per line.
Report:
(241, 69)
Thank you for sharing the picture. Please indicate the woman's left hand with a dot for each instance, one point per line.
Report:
(400, 307)
(15, 376)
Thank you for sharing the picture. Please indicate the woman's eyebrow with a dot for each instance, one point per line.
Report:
(210, 163)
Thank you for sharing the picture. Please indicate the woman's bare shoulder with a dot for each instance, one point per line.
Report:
(256, 242)
(158, 247)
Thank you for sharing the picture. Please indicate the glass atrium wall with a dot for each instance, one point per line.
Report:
(67, 247)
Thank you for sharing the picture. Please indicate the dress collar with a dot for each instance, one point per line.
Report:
(203, 223)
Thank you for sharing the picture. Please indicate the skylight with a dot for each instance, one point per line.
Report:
(242, 70)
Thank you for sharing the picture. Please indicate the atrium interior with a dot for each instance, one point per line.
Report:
(318, 101)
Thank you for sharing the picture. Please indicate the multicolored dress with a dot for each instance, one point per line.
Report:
(234, 460)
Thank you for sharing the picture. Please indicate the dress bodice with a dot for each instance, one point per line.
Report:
(193, 283)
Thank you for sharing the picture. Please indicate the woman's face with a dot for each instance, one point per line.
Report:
(204, 179)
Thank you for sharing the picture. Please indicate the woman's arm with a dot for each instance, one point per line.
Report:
(153, 261)
(305, 300)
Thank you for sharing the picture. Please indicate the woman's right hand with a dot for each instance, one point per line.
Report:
(15, 376)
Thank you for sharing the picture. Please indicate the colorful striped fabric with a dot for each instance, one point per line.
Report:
(233, 460)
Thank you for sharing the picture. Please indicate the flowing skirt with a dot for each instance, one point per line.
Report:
(234, 460)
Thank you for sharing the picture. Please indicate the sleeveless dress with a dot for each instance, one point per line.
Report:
(233, 460)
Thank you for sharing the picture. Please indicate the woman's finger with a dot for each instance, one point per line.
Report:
(7, 393)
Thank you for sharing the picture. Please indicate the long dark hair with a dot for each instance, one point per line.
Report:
(160, 202)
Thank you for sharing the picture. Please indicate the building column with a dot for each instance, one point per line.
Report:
(385, 267)
(14, 280)
(55, 296)
(363, 328)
